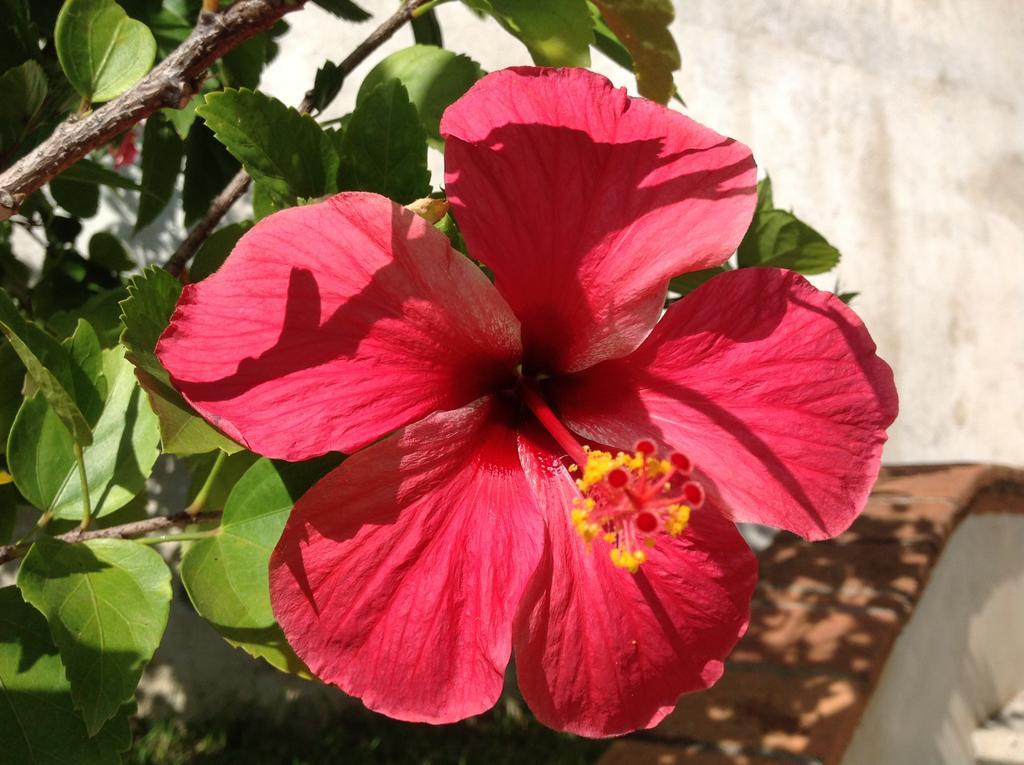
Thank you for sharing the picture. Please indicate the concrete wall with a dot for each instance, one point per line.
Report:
(893, 126)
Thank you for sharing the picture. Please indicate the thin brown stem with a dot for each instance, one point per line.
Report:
(238, 185)
(170, 85)
(133, 530)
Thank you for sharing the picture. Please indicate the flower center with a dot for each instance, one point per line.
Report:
(629, 499)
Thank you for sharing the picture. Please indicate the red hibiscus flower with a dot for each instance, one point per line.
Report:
(458, 530)
(124, 151)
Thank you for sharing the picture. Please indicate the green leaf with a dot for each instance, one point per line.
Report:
(162, 150)
(152, 296)
(117, 463)
(89, 172)
(9, 498)
(183, 118)
(426, 30)
(215, 250)
(38, 723)
(50, 368)
(80, 199)
(102, 50)
(687, 283)
(22, 95)
(106, 250)
(208, 169)
(18, 40)
(556, 32)
(326, 85)
(280, 148)
(226, 575)
(230, 473)
(642, 27)
(434, 78)
(101, 311)
(344, 9)
(265, 202)
(90, 387)
(242, 66)
(182, 431)
(778, 239)
(12, 377)
(384, 146)
(106, 601)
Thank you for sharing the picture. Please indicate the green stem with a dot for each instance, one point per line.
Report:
(185, 536)
(200, 501)
(83, 481)
(44, 519)
(426, 8)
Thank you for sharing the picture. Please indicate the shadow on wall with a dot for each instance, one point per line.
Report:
(807, 680)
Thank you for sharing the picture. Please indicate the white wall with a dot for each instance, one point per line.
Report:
(893, 126)
(960, 657)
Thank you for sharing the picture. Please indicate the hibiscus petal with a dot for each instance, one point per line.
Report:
(584, 202)
(600, 651)
(770, 386)
(334, 323)
(399, 574)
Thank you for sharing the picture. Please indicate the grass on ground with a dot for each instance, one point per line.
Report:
(507, 734)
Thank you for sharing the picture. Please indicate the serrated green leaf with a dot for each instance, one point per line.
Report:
(101, 49)
(23, 92)
(38, 723)
(344, 9)
(326, 85)
(778, 239)
(226, 575)
(162, 151)
(107, 251)
(642, 27)
(556, 32)
(384, 146)
(250, 125)
(152, 296)
(215, 250)
(117, 462)
(50, 368)
(106, 602)
(434, 78)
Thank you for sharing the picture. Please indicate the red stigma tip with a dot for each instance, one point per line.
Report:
(681, 462)
(618, 478)
(646, 522)
(694, 493)
(645, 447)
